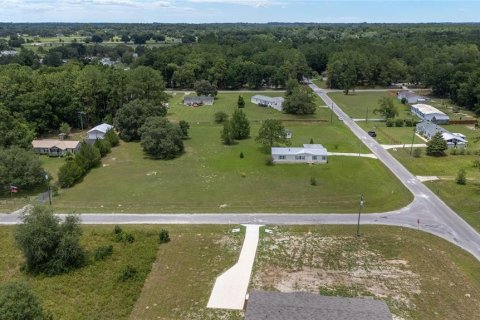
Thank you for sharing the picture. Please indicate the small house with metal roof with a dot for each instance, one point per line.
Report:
(429, 113)
(272, 102)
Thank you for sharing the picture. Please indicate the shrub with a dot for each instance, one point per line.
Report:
(417, 153)
(117, 229)
(87, 157)
(17, 301)
(103, 146)
(269, 161)
(129, 238)
(461, 151)
(112, 137)
(476, 163)
(102, 252)
(220, 117)
(163, 236)
(454, 152)
(241, 155)
(409, 122)
(461, 177)
(49, 246)
(69, 174)
(227, 134)
(128, 272)
(389, 122)
(184, 126)
(313, 181)
(399, 122)
(118, 237)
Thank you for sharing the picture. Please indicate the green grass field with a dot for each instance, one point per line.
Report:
(389, 263)
(94, 291)
(208, 178)
(356, 105)
(182, 278)
(390, 135)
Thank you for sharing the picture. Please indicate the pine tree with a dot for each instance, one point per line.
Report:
(241, 102)
(227, 134)
(240, 125)
(437, 145)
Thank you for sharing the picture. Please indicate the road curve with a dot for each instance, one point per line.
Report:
(433, 214)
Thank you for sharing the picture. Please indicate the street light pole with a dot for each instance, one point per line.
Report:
(360, 206)
(331, 114)
(366, 119)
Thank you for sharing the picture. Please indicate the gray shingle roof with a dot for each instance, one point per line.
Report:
(306, 306)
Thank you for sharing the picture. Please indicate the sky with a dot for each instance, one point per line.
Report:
(207, 11)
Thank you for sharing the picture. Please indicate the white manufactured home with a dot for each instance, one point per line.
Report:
(310, 153)
(55, 148)
(429, 113)
(272, 102)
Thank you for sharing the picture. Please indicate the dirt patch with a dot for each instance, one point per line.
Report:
(343, 266)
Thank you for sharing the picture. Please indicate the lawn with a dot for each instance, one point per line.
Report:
(227, 102)
(94, 291)
(182, 278)
(358, 105)
(390, 135)
(211, 177)
(320, 83)
(389, 263)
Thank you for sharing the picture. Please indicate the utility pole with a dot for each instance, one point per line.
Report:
(366, 118)
(81, 113)
(331, 114)
(360, 206)
(413, 138)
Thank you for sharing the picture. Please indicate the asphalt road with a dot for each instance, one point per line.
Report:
(433, 214)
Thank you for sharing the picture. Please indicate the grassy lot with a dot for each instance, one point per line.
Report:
(390, 135)
(320, 83)
(227, 102)
(357, 104)
(448, 108)
(94, 291)
(211, 179)
(462, 199)
(394, 264)
(182, 278)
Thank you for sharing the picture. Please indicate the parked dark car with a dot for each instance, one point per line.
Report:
(372, 134)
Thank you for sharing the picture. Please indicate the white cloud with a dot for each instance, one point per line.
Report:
(252, 3)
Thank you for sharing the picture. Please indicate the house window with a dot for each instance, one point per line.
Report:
(314, 158)
(299, 157)
(282, 157)
(323, 157)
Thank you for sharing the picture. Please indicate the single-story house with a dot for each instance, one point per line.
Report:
(310, 153)
(55, 148)
(8, 53)
(428, 129)
(411, 97)
(262, 305)
(198, 100)
(429, 113)
(99, 131)
(272, 102)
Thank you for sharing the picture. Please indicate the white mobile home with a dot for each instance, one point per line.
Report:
(429, 113)
(411, 97)
(310, 153)
(55, 148)
(272, 102)
(428, 129)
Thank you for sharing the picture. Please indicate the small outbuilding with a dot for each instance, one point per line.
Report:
(310, 153)
(55, 148)
(198, 101)
(429, 113)
(272, 102)
(264, 305)
(99, 131)
(411, 97)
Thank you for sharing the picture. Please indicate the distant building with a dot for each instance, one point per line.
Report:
(411, 97)
(198, 100)
(55, 148)
(288, 133)
(310, 153)
(99, 131)
(8, 53)
(107, 62)
(262, 305)
(428, 129)
(429, 113)
(272, 102)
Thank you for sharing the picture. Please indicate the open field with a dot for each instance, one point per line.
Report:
(394, 264)
(182, 278)
(356, 105)
(211, 179)
(94, 291)
(319, 83)
(390, 135)
(227, 102)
